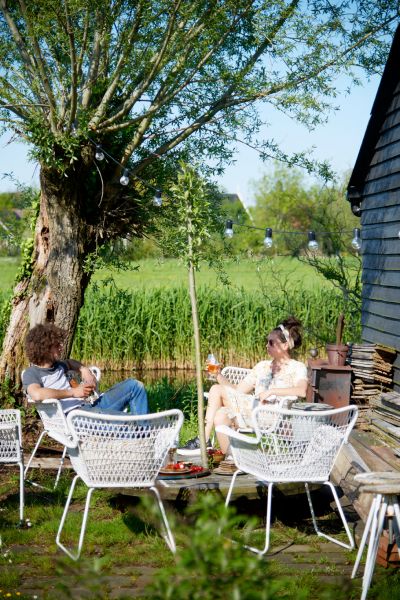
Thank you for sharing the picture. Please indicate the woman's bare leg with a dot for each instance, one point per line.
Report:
(216, 399)
(221, 418)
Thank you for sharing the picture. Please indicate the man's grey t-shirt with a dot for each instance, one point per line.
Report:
(54, 378)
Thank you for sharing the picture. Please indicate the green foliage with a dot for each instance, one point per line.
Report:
(149, 77)
(27, 246)
(5, 311)
(8, 393)
(286, 202)
(212, 567)
(15, 208)
(191, 219)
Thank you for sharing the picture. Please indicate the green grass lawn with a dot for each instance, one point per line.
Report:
(123, 542)
(8, 269)
(249, 273)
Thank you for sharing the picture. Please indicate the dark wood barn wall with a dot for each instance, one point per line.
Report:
(380, 222)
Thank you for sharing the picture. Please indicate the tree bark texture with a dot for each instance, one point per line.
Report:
(54, 290)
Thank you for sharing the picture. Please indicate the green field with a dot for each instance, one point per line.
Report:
(248, 273)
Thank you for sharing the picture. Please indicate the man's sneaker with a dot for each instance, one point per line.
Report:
(192, 447)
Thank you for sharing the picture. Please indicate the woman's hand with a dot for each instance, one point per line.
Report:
(267, 397)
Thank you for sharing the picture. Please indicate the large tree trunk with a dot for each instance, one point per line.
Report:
(54, 290)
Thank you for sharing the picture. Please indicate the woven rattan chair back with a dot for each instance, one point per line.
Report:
(292, 446)
(54, 425)
(119, 451)
(11, 447)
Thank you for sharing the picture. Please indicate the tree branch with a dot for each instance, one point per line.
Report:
(157, 60)
(41, 67)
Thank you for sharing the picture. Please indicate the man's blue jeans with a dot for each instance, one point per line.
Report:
(127, 393)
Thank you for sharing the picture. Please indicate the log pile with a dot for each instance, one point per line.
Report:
(372, 371)
(384, 418)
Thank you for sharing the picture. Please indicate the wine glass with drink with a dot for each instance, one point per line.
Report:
(213, 367)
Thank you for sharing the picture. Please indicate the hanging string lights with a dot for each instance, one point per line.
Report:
(268, 238)
(356, 241)
(312, 244)
(229, 228)
(157, 198)
(124, 180)
(101, 154)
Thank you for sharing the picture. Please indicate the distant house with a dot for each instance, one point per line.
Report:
(374, 193)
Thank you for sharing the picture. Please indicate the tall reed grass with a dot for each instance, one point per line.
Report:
(121, 329)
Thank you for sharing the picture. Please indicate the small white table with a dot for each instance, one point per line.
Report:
(386, 487)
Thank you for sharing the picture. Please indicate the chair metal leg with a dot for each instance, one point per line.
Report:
(76, 555)
(381, 507)
(349, 546)
(21, 492)
(376, 532)
(34, 451)
(268, 514)
(374, 507)
(232, 485)
(60, 467)
(168, 536)
(267, 524)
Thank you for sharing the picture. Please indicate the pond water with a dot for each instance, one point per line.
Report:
(149, 377)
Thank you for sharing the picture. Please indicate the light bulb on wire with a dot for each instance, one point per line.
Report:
(356, 241)
(99, 154)
(268, 238)
(125, 177)
(312, 242)
(229, 228)
(157, 199)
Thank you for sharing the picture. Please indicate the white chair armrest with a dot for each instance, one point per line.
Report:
(232, 433)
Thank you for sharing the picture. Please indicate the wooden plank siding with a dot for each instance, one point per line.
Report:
(374, 188)
(380, 223)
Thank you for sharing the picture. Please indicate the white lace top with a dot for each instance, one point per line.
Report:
(262, 378)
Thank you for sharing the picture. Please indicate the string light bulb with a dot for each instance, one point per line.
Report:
(312, 242)
(99, 154)
(356, 241)
(125, 177)
(229, 228)
(268, 238)
(157, 199)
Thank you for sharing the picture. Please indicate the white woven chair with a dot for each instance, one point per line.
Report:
(54, 425)
(11, 447)
(299, 446)
(119, 451)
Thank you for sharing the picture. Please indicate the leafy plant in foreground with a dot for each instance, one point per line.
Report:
(212, 567)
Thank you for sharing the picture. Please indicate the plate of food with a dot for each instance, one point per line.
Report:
(179, 468)
(182, 470)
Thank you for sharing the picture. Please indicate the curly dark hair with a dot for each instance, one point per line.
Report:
(40, 341)
(293, 326)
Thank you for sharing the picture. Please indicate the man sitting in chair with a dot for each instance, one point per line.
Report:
(46, 378)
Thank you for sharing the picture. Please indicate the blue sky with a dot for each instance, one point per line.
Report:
(338, 141)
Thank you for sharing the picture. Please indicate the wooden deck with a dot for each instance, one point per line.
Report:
(364, 453)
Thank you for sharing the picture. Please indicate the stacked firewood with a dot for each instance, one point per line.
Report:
(372, 371)
(384, 417)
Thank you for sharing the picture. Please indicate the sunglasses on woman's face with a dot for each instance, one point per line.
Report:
(272, 343)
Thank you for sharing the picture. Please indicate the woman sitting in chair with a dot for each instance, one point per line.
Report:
(268, 381)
